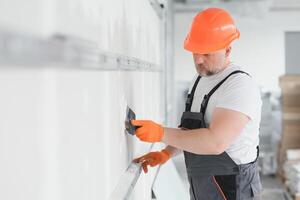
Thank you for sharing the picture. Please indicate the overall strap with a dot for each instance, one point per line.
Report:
(190, 96)
(207, 96)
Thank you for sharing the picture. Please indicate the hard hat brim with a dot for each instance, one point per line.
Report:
(209, 48)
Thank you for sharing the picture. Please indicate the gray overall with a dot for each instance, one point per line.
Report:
(217, 177)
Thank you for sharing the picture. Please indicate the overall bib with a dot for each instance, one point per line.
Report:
(216, 177)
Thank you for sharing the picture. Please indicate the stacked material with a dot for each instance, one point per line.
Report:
(292, 171)
(270, 133)
(290, 139)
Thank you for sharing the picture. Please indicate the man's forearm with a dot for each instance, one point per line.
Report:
(173, 151)
(198, 141)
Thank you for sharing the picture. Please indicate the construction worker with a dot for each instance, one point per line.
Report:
(220, 126)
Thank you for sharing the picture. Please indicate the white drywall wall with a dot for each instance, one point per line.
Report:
(127, 27)
(62, 130)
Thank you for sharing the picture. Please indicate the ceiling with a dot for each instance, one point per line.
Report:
(241, 7)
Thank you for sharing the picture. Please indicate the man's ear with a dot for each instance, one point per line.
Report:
(228, 51)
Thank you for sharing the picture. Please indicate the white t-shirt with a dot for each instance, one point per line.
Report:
(238, 93)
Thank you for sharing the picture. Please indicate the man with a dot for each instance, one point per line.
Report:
(219, 128)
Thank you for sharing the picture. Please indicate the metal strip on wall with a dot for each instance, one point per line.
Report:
(20, 49)
(127, 181)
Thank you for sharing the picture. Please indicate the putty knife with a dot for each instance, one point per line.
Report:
(129, 127)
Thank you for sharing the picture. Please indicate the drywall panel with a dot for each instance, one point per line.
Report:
(33, 16)
(23, 167)
(127, 27)
(62, 131)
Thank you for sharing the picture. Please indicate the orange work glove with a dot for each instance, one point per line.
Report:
(148, 131)
(153, 159)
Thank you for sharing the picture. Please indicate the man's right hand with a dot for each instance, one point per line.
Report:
(153, 159)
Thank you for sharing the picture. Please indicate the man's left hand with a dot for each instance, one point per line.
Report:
(148, 131)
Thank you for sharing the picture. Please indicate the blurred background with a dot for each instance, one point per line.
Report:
(69, 70)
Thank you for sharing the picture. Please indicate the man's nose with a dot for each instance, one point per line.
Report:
(199, 59)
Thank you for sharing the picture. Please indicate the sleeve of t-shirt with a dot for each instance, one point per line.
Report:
(240, 93)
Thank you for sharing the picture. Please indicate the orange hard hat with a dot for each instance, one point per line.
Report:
(212, 29)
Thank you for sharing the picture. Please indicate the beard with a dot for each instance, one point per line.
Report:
(203, 71)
